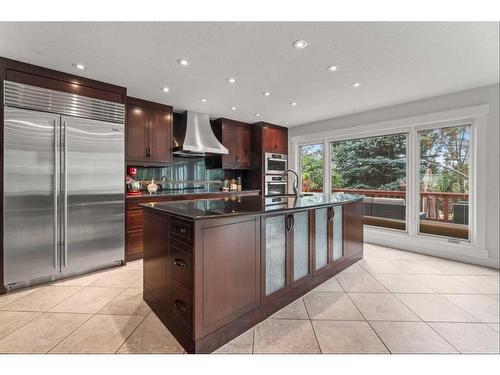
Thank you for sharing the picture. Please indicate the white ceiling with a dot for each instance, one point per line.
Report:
(394, 62)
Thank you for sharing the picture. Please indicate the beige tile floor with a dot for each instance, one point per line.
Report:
(390, 302)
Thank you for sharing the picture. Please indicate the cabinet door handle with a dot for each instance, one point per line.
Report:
(179, 262)
(180, 230)
(330, 214)
(179, 305)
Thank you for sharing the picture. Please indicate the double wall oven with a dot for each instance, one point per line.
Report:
(274, 181)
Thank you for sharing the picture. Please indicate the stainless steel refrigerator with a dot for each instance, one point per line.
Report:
(63, 184)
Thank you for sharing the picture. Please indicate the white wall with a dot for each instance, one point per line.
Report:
(483, 95)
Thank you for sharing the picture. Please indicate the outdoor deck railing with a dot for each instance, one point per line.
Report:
(444, 200)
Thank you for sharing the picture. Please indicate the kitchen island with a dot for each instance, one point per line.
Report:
(214, 268)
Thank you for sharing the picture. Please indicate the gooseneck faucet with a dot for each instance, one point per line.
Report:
(295, 184)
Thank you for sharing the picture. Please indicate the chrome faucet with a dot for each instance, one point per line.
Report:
(295, 184)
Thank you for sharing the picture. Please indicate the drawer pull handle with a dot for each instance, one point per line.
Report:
(179, 305)
(180, 230)
(179, 262)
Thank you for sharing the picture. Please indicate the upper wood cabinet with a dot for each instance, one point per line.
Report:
(149, 133)
(237, 138)
(274, 139)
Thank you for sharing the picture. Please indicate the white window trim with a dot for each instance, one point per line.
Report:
(471, 250)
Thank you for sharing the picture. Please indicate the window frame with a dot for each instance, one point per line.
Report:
(472, 173)
(299, 164)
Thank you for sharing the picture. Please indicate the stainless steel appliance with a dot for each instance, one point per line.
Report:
(63, 184)
(193, 136)
(275, 185)
(275, 163)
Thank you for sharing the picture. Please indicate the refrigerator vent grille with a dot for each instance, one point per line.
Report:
(37, 98)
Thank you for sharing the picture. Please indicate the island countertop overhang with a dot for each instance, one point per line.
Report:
(248, 205)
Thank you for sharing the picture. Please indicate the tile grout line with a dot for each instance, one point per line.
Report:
(364, 317)
(126, 338)
(112, 299)
(69, 334)
(57, 303)
(312, 325)
(253, 341)
(449, 343)
(29, 321)
(466, 312)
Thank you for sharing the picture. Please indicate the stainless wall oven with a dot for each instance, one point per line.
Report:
(275, 185)
(275, 163)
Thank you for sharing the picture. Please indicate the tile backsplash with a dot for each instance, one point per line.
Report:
(184, 172)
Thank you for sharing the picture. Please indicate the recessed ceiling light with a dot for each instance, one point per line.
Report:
(231, 80)
(293, 103)
(257, 114)
(233, 108)
(79, 66)
(165, 89)
(286, 122)
(356, 84)
(203, 100)
(183, 62)
(300, 44)
(332, 68)
(266, 93)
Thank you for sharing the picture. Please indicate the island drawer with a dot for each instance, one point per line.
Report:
(182, 230)
(181, 267)
(180, 302)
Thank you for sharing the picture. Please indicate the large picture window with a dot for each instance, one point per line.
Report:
(444, 181)
(420, 177)
(374, 167)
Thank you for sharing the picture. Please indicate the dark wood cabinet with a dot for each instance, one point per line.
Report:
(149, 133)
(223, 275)
(274, 139)
(265, 137)
(237, 138)
(134, 238)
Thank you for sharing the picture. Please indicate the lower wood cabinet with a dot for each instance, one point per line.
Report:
(275, 253)
(322, 226)
(338, 233)
(209, 280)
(135, 219)
(300, 245)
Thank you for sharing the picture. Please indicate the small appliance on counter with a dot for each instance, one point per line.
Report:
(133, 186)
(152, 187)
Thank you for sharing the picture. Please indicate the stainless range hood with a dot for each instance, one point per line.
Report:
(193, 136)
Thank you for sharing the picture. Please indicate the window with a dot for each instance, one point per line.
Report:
(444, 181)
(374, 167)
(311, 167)
(421, 177)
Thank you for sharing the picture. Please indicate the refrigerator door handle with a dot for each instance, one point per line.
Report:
(56, 193)
(65, 193)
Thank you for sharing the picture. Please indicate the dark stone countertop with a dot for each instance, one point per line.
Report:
(248, 205)
(194, 192)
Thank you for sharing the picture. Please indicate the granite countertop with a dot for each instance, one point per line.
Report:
(173, 193)
(248, 205)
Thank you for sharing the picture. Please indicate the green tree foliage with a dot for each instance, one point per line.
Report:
(377, 163)
(446, 152)
(312, 167)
